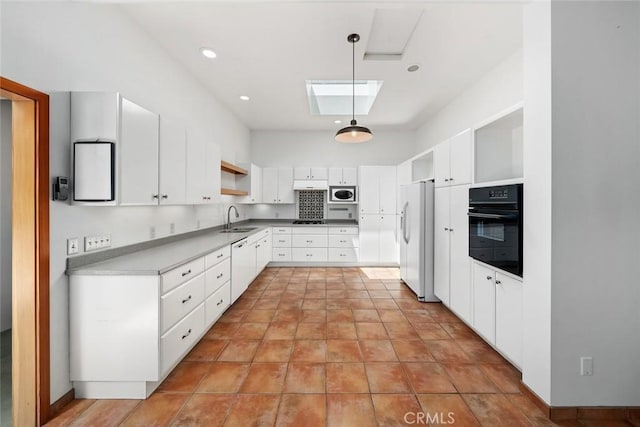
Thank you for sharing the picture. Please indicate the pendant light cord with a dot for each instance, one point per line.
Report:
(353, 82)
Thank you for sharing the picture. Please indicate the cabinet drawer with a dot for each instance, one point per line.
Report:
(309, 254)
(180, 301)
(343, 254)
(281, 254)
(217, 303)
(181, 337)
(309, 241)
(216, 276)
(348, 241)
(179, 275)
(281, 240)
(309, 230)
(281, 230)
(343, 230)
(215, 257)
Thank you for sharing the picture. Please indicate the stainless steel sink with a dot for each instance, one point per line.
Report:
(238, 229)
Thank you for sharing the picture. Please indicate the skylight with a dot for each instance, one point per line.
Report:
(334, 97)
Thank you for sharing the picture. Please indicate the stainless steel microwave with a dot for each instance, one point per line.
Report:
(342, 194)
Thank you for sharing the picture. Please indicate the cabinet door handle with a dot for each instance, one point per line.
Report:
(187, 334)
(220, 302)
(450, 179)
(257, 246)
(186, 299)
(446, 229)
(309, 241)
(343, 241)
(489, 277)
(165, 196)
(451, 229)
(219, 275)
(278, 199)
(280, 254)
(498, 282)
(220, 255)
(186, 272)
(446, 180)
(154, 196)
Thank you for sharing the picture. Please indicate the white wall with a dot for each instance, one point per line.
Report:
(5, 214)
(536, 301)
(319, 148)
(59, 47)
(494, 92)
(582, 168)
(595, 304)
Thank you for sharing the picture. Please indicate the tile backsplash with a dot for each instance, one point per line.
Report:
(311, 204)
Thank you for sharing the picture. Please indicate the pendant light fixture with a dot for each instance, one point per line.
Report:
(353, 133)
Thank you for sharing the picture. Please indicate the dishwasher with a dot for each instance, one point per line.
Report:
(243, 265)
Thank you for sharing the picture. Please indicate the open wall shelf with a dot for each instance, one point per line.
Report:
(231, 168)
(233, 192)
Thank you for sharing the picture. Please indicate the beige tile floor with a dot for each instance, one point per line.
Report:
(330, 347)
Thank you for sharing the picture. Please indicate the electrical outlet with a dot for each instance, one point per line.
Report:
(172, 228)
(197, 224)
(73, 246)
(586, 366)
(93, 243)
(152, 232)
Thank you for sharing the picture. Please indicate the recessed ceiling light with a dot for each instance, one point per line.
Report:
(337, 122)
(207, 53)
(244, 97)
(412, 68)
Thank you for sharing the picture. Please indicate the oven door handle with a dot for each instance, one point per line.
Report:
(492, 216)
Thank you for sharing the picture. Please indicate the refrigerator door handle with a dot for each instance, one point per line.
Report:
(404, 223)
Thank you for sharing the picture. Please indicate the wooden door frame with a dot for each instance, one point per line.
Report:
(30, 248)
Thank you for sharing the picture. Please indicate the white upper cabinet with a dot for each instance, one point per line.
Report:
(304, 173)
(139, 136)
(251, 183)
(203, 170)
(343, 176)
(377, 189)
(452, 160)
(277, 185)
(110, 117)
(173, 163)
(270, 185)
(285, 185)
(498, 147)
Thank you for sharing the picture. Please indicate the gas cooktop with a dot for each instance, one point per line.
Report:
(308, 221)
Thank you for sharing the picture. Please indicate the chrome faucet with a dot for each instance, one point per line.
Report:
(228, 226)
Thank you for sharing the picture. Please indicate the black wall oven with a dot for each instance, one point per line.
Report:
(495, 226)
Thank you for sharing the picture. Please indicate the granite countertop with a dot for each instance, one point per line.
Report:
(163, 257)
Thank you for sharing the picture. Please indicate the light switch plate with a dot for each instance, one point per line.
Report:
(73, 246)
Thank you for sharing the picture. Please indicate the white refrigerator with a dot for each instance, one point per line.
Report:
(416, 240)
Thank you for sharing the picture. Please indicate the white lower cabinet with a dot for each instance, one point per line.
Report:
(497, 311)
(378, 242)
(309, 254)
(281, 244)
(343, 255)
(179, 339)
(452, 269)
(128, 331)
(309, 244)
(217, 303)
(509, 317)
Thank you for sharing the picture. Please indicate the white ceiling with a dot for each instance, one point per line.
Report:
(267, 50)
